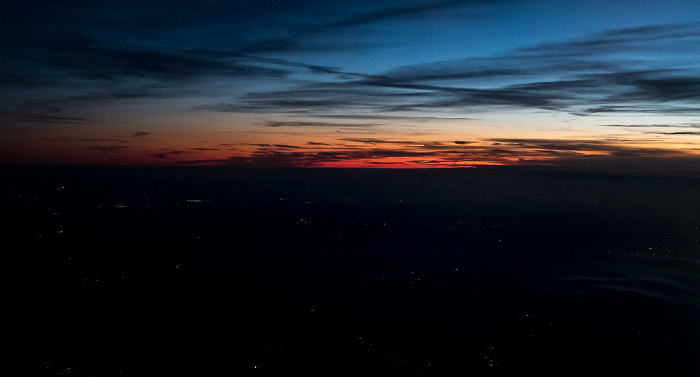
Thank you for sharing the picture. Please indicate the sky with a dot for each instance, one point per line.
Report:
(398, 84)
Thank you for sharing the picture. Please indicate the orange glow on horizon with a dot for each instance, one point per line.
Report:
(365, 151)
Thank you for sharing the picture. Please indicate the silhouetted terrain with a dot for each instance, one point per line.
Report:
(487, 271)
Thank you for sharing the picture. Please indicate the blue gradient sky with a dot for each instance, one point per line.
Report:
(351, 83)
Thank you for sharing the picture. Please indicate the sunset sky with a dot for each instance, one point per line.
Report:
(351, 83)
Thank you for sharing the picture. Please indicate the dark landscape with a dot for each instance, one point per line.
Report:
(126, 271)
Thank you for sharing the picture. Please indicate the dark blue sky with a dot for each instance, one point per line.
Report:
(349, 83)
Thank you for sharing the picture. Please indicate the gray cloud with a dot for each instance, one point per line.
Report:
(558, 146)
(167, 154)
(371, 140)
(82, 140)
(603, 76)
(87, 58)
(658, 38)
(675, 133)
(317, 124)
(143, 43)
(679, 125)
(47, 118)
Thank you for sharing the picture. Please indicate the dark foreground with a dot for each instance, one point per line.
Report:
(204, 272)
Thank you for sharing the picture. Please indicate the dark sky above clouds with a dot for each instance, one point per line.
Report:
(309, 83)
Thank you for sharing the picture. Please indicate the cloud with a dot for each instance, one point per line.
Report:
(643, 91)
(167, 154)
(225, 53)
(404, 10)
(412, 117)
(676, 88)
(507, 151)
(317, 124)
(82, 140)
(602, 73)
(87, 58)
(310, 35)
(373, 141)
(48, 118)
(676, 133)
(293, 106)
(655, 129)
(316, 98)
(580, 147)
(658, 38)
(143, 43)
(560, 80)
(146, 40)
